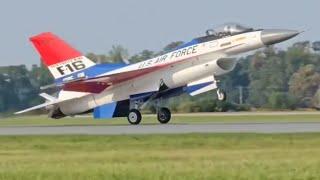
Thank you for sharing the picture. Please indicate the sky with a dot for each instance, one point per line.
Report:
(96, 25)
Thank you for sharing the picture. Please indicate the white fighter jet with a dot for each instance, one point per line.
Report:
(122, 90)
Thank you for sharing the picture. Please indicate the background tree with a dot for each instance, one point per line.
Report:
(143, 55)
(171, 46)
(99, 58)
(304, 84)
(118, 53)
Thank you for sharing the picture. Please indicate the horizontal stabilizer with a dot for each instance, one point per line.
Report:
(48, 97)
(36, 107)
(50, 101)
(48, 86)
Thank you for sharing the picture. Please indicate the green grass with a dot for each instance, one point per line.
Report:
(191, 156)
(180, 119)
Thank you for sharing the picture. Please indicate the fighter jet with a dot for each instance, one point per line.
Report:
(122, 90)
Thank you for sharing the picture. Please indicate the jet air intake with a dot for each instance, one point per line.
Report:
(227, 64)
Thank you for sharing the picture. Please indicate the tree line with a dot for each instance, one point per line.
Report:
(269, 78)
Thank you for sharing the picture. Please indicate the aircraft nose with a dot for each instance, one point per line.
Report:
(273, 36)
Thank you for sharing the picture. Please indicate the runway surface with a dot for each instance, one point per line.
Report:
(286, 127)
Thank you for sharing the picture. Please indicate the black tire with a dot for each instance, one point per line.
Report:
(164, 115)
(134, 116)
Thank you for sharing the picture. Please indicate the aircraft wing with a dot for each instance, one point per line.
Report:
(98, 84)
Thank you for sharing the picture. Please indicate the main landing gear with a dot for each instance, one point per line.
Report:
(134, 117)
(135, 104)
(163, 115)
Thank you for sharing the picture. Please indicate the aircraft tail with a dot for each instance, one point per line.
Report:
(60, 58)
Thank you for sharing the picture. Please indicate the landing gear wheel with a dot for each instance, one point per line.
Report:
(222, 96)
(134, 116)
(164, 115)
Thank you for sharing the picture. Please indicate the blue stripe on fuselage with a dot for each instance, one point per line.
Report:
(91, 72)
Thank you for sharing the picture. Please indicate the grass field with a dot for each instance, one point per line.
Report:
(177, 119)
(191, 156)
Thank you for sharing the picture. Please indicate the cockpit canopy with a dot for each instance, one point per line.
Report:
(228, 29)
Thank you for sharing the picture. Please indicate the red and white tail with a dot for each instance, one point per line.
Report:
(58, 56)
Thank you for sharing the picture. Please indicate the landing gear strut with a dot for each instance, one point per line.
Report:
(164, 115)
(222, 96)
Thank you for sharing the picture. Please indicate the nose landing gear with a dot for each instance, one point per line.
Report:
(222, 96)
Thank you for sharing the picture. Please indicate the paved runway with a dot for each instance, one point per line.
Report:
(290, 127)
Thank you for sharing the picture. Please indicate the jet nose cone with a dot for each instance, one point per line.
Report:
(273, 36)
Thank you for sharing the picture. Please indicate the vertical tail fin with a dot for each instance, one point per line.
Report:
(60, 58)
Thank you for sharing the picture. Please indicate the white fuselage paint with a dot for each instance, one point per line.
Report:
(196, 62)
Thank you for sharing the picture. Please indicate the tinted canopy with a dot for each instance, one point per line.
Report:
(228, 30)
